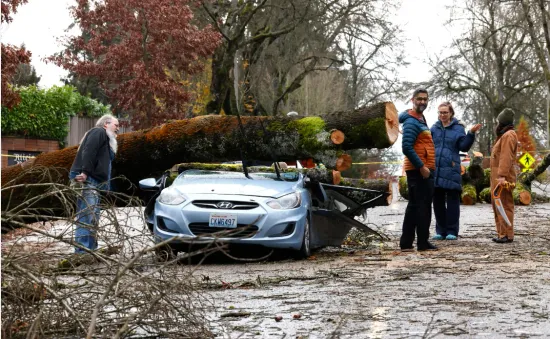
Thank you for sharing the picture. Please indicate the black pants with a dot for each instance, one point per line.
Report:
(418, 214)
(447, 211)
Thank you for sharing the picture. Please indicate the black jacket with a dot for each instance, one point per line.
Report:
(93, 157)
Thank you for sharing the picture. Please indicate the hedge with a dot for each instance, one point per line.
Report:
(45, 113)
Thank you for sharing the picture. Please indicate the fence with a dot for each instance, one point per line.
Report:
(78, 126)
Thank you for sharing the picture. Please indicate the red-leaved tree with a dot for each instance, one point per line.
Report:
(12, 56)
(136, 49)
(526, 141)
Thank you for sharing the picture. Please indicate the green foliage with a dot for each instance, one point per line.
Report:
(45, 113)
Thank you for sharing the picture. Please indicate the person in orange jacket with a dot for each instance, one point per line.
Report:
(419, 165)
(503, 158)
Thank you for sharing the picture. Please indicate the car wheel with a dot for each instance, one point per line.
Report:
(150, 227)
(305, 251)
(165, 253)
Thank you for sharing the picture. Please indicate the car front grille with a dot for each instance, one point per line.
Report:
(235, 205)
(241, 231)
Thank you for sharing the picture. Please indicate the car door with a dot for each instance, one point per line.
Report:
(334, 209)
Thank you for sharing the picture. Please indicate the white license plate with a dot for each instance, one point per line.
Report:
(223, 220)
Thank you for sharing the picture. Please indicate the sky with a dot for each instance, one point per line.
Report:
(39, 24)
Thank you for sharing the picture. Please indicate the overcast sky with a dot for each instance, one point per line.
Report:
(39, 24)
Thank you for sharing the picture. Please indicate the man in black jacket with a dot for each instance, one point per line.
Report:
(92, 169)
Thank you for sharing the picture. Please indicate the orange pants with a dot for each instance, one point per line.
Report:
(508, 203)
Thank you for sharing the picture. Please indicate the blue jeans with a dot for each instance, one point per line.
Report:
(87, 214)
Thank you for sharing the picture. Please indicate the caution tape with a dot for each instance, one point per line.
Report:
(378, 162)
(19, 156)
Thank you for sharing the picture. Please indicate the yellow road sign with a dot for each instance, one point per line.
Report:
(527, 160)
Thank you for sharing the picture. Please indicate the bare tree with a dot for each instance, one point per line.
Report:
(277, 44)
(493, 59)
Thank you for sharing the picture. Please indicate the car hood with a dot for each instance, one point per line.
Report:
(257, 188)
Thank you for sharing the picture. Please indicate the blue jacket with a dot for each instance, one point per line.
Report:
(448, 142)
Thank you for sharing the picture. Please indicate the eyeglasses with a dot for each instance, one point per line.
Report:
(421, 99)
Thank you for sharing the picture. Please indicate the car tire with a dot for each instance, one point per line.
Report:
(165, 253)
(305, 250)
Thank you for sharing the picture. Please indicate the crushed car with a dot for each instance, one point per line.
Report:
(282, 209)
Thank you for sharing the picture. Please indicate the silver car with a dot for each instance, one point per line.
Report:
(283, 211)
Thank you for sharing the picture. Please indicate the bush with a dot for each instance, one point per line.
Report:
(45, 113)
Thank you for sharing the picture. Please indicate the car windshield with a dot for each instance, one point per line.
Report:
(208, 174)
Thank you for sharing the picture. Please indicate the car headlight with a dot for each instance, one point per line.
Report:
(286, 202)
(170, 196)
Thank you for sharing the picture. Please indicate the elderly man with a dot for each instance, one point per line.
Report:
(92, 169)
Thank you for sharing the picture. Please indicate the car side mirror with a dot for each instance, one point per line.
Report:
(148, 184)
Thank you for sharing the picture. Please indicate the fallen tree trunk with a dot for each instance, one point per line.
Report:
(216, 138)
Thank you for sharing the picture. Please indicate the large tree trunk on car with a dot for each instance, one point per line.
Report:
(215, 138)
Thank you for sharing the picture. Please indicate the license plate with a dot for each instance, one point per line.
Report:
(223, 220)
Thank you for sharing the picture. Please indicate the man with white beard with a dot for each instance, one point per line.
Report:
(91, 170)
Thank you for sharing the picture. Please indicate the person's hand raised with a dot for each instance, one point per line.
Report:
(475, 128)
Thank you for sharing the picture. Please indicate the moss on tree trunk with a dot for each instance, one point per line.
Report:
(469, 196)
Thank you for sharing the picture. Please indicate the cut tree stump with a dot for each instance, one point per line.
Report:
(469, 196)
(522, 195)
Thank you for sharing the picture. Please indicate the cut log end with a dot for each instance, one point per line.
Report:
(337, 137)
(392, 122)
(468, 200)
(343, 162)
(525, 198)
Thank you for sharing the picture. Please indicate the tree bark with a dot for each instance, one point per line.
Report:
(215, 138)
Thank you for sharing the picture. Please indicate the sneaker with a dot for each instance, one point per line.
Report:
(438, 237)
(428, 247)
(451, 237)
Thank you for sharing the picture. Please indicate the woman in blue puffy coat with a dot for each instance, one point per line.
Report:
(449, 137)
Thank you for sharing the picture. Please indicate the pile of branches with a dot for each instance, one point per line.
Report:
(121, 290)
